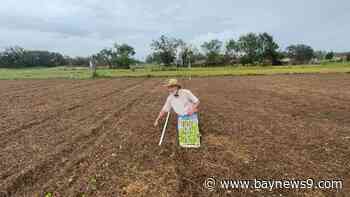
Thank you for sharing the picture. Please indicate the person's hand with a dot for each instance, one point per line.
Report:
(190, 111)
(155, 123)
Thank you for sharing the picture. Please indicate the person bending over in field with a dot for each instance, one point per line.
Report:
(182, 101)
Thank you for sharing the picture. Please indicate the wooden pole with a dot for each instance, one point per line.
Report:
(163, 132)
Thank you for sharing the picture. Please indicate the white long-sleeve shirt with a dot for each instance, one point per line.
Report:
(180, 104)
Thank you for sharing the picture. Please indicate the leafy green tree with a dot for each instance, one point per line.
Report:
(43, 58)
(329, 56)
(2, 60)
(231, 51)
(166, 48)
(212, 51)
(123, 57)
(105, 57)
(320, 55)
(255, 48)
(153, 58)
(13, 56)
(79, 61)
(300, 53)
(119, 56)
(250, 47)
(19, 57)
(196, 57)
(186, 53)
(267, 49)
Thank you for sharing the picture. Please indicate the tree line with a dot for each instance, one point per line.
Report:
(19, 57)
(248, 49)
(119, 56)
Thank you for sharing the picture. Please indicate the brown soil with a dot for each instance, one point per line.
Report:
(96, 137)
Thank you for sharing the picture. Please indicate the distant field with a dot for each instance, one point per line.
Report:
(154, 71)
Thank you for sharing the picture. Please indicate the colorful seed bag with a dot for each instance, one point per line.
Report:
(188, 131)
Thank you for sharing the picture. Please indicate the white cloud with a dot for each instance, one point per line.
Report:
(222, 36)
(83, 27)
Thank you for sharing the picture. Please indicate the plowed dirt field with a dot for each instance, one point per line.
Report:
(96, 137)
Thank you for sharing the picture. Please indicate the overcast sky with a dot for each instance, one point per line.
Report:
(81, 28)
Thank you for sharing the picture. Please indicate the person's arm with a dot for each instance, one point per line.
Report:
(195, 102)
(166, 108)
(161, 114)
(195, 106)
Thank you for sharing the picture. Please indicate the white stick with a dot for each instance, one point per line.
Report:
(163, 132)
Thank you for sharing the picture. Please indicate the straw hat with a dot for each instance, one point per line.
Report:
(173, 82)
